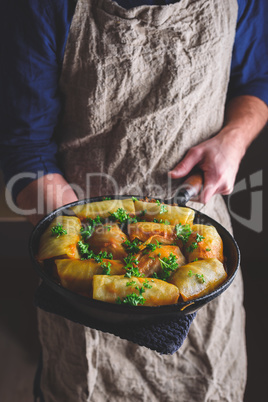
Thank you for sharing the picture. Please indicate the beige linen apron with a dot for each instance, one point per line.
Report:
(141, 87)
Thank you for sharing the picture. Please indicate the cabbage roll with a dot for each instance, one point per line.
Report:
(77, 275)
(144, 230)
(62, 244)
(108, 238)
(151, 253)
(173, 214)
(198, 278)
(118, 289)
(209, 247)
(103, 208)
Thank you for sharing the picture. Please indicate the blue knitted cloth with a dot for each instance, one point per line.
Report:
(165, 337)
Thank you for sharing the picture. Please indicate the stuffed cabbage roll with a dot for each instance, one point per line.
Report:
(134, 291)
(144, 230)
(103, 208)
(152, 251)
(77, 275)
(198, 278)
(209, 245)
(60, 239)
(109, 238)
(173, 214)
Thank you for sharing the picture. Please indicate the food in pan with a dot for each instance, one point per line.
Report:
(77, 275)
(60, 239)
(147, 292)
(204, 242)
(198, 278)
(133, 252)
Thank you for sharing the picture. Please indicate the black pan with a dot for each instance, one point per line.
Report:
(123, 313)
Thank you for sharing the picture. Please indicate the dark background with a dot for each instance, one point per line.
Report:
(19, 346)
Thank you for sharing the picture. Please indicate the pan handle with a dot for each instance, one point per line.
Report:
(190, 188)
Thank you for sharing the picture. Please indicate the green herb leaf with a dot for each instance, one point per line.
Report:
(132, 283)
(183, 232)
(132, 247)
(200, 277)
(133, 299)
(168, 265)
(120, 215)
(58, 230)
(208, 249)
(106, 268)
(199, 238)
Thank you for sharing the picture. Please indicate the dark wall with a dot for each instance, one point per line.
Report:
(254, 264)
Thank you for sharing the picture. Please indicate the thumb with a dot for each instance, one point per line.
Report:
(186, 165)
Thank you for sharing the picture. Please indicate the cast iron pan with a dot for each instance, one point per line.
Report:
(112, 313)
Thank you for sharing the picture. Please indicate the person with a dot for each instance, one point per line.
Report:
(132, 90)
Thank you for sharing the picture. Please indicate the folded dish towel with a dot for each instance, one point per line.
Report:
(165, 337)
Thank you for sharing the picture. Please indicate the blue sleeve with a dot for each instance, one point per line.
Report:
(249, 69)
(33, 37)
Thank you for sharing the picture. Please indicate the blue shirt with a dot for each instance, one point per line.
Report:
(33, 39)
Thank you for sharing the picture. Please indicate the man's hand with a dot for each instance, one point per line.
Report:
(219, 157)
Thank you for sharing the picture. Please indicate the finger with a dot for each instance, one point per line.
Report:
(210, 188)
(191, 159)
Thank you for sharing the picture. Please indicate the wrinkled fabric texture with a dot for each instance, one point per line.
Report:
(141, 87)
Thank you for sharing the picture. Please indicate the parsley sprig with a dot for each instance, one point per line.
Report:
(133, 299)
(151, 247)
(200, 277)
(58, 230)
(86, 253)
(183, 232)
(132, 247)
(106, 268)
(168, 265)
(194, 244)
(132, 270)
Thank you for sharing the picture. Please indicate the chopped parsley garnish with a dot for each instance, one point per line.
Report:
(132, 247)
(147, 285)
(200, 277)
(194, 245)
(106, 198)
(168, 265)
(134, 199)
(165, 222)
(58, 230)
(163, 209)
(119, 215)
(86, 232)
(208, 249)
(87, 254)
(152, 247)
(133, 300)
(183, 232)
(106, 268)
(132, 283)
(199, 238)
(130, 268)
